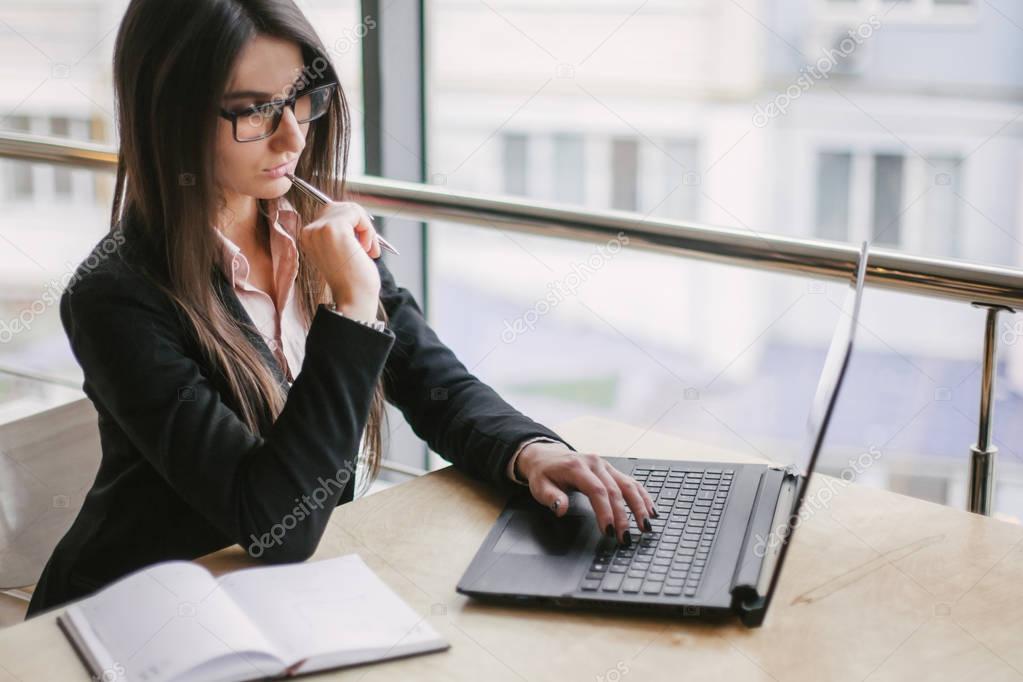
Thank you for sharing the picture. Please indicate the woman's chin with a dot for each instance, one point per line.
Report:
(272, 188)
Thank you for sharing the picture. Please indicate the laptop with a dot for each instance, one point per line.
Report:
(716, 550)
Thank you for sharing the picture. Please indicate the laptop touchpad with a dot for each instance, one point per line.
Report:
(537, 533)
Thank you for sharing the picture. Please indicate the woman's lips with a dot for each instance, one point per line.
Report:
(279, 171)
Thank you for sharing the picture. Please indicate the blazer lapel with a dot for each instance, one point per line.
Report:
(238, 312)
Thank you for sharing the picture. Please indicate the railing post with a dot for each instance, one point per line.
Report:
(982, 455)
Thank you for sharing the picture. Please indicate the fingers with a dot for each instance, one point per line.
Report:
(642, 502)
(551, 495)
(589, 484)
(364, 231)
(376, 252)
(355, 215)
(367, 234)
(617, 502)
(611, 493)
(636, 497)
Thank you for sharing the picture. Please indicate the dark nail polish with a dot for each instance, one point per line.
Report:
(610, 530)
(655, 514)
(647, 527)
(628, 538)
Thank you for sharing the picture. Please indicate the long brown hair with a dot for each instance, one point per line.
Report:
(172, 62)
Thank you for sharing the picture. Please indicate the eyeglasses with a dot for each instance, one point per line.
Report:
(261, 120)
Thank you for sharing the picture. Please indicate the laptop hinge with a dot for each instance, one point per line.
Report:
(771, 510)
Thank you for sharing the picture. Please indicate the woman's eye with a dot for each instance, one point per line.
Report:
(251, 106)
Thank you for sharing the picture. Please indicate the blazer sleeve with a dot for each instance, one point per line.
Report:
(131, 346)
(461, 418)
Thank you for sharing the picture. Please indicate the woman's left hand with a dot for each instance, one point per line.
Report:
(553, 471)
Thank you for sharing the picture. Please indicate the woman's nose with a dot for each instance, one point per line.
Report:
(289, 132)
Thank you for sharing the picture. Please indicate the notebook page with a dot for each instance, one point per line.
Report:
(159, 622)
(321, 608)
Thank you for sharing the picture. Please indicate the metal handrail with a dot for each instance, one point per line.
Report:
(40, 377)
(943, 278)
(996, 288)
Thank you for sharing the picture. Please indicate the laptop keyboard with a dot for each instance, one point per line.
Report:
(671, 559)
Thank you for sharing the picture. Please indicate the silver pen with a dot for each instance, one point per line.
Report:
(324, 199)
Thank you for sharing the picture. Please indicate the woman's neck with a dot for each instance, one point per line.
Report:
(244, 225)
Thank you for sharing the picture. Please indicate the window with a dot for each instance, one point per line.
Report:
(832, 214)
(906, 10)
(887, 222)
(514, 162)
(21, 182)
(60, 126)
(32, 182)
(569, 161)
(680, 180)
(941, 233)
(624, 173)
(913, 203)
(642, 327)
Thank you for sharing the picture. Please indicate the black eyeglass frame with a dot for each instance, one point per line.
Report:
(277, 111)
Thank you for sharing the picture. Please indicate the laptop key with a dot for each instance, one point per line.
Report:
(613, 582)
(632, 585)
(591, 585)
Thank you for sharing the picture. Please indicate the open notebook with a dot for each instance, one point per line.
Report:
(175, 621)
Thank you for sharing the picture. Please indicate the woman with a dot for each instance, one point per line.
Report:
(193, 317)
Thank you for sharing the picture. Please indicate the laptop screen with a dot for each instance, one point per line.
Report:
(835, 364)
(839, 352)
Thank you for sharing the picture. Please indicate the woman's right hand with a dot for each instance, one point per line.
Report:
(342, 243)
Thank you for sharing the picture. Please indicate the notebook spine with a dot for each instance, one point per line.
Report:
(80, 648)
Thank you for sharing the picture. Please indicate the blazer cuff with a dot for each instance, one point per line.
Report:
(378, 325)
(510, 470)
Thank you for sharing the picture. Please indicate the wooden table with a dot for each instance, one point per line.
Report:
(877, 586)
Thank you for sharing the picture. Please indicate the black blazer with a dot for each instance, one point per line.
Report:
(182, 476)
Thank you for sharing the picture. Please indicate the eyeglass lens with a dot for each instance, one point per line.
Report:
(263, 122)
